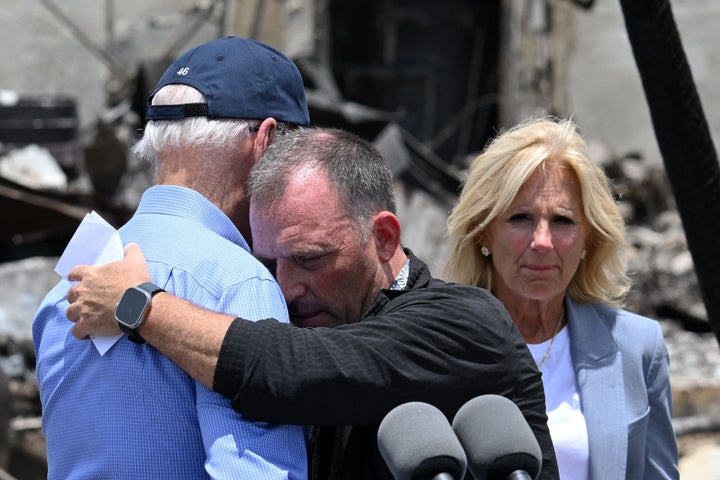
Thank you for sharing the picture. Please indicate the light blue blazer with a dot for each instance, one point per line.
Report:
(622, 372)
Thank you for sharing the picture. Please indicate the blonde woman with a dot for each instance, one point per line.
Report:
(536, 224)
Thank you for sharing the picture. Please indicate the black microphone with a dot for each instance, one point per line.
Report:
(417, 443)
(499, 443)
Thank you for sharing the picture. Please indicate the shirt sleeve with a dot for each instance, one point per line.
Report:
(442, 346)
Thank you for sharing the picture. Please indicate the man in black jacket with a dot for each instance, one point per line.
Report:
(322, 220)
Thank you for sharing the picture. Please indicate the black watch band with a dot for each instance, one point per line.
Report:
(133, 336)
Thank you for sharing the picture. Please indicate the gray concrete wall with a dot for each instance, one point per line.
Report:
(41, 55)
(604, 91)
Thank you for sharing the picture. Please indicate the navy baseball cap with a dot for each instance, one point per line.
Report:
(240, 78)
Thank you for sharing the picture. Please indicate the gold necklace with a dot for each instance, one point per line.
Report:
(558, 324)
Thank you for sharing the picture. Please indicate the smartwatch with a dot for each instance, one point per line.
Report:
(133, 308)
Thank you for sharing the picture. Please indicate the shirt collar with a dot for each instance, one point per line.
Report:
(401, 280)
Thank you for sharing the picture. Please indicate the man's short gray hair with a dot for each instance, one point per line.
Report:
(354, 166)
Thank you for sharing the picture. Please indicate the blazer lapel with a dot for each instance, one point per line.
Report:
(598, 369)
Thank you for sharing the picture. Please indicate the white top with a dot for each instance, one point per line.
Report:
(562, 399)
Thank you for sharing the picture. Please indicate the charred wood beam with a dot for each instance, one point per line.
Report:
(54, 205)
(683, 136)
(35, 223)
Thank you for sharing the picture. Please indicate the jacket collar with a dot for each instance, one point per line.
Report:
(599, 370)
(589, 333)
(418, 277)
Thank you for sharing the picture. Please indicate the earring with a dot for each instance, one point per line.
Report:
(484, 251)
(583, 255)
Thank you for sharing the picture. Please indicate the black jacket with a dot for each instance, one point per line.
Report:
(434, 342)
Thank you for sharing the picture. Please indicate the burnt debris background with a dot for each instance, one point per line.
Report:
(428, 82)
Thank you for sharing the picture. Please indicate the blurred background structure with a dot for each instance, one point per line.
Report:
(428, 82)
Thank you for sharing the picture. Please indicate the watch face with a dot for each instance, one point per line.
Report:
(131, 308)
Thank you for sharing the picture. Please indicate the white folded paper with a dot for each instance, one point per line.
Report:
(95, 242)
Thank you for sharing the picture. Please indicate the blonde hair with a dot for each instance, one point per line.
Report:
(494, 179)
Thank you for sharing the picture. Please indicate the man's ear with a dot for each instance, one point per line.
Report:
(264, 136)
(386, 232)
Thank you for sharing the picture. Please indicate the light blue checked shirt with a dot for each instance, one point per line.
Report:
(132, 413)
